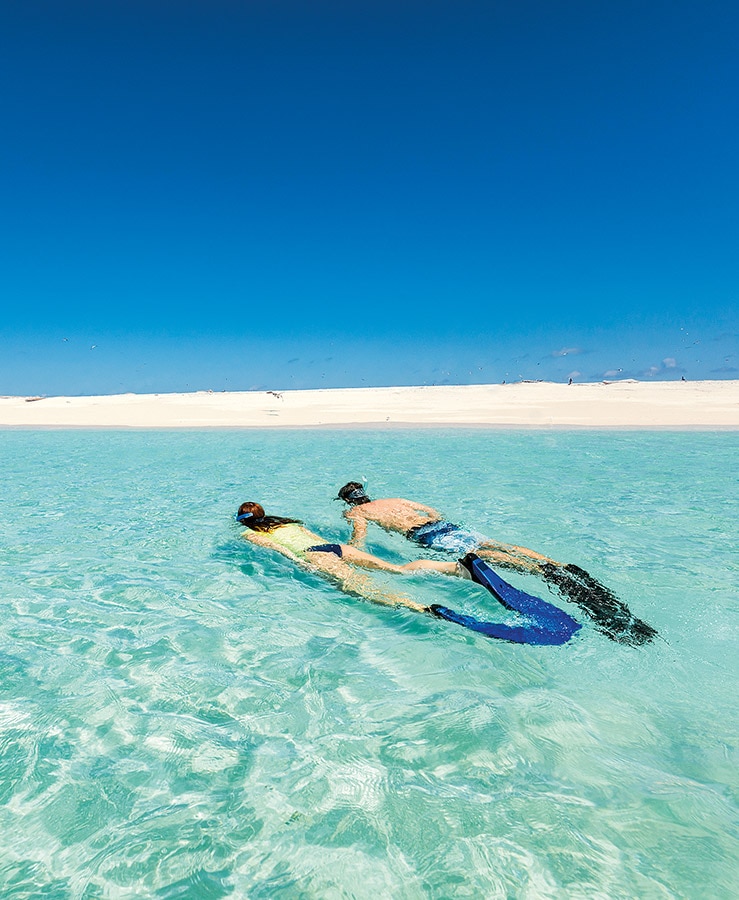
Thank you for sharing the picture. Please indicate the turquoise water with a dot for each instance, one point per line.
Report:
(184, 716)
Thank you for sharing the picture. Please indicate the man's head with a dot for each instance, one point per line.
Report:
(249, 511)
(353, 494)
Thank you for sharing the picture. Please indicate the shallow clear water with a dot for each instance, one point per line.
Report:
(182, 715)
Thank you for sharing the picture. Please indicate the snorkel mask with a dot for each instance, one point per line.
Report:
(355, 494)
(244, 516)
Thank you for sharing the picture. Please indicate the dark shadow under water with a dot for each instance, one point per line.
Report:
(612, 616)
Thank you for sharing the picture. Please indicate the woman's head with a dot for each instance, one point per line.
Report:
(252, 516)
(248, 511)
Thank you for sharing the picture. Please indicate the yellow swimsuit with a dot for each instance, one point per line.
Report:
(294, 538)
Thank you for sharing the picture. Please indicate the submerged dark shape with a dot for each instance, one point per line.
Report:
(612, 616)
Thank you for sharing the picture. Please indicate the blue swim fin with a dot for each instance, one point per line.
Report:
(516, 634)
(504, 593)
(548, 624)
(546, 614)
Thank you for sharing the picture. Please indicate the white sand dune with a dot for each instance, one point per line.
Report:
(620, 404)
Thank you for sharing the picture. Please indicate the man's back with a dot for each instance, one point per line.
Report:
(393, 514)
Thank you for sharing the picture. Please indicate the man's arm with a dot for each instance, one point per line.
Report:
(359, 528)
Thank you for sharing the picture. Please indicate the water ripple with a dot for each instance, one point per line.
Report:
(182, 716)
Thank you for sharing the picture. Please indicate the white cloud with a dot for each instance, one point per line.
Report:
(669, 363)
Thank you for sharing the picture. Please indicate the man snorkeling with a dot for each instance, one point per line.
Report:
(544, 624)
(425, 526)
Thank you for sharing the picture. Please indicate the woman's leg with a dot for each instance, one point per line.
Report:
(353, 582)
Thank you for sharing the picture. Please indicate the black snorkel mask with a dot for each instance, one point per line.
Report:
(354, 497)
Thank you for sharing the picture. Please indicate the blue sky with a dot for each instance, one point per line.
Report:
(248, 195)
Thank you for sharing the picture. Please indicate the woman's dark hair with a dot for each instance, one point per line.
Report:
(251, 515)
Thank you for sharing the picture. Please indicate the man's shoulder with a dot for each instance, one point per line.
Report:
(383, 503)
(399, 502)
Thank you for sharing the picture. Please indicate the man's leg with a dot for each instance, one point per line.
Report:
(509, 556)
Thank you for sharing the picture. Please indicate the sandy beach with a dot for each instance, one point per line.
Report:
(620, 404)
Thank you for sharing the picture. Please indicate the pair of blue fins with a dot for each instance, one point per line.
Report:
(546, 624)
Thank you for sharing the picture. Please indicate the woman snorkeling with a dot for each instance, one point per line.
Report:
(339, 561)
(544, 623)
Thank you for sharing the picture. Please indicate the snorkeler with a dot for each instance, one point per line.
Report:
(425, 526)
(544, 623)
